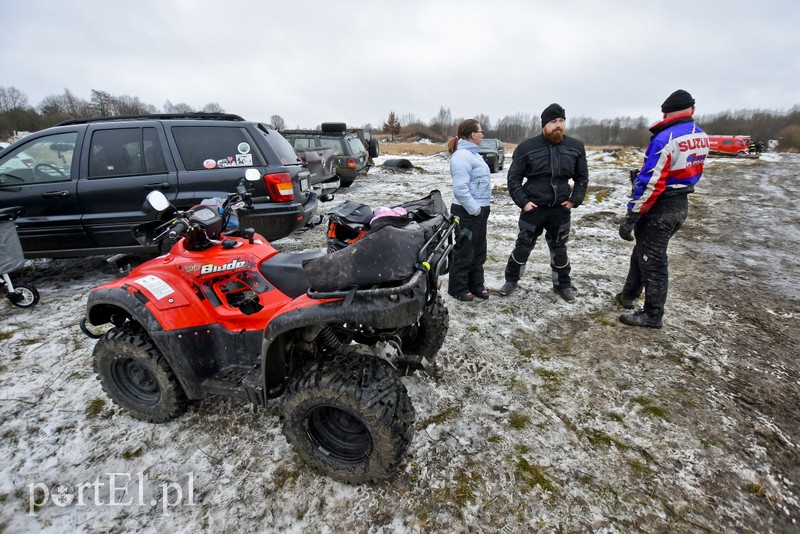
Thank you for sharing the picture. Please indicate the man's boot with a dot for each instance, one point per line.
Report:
(640, 318)
(507, 288)
(565, 293)
(625, 302)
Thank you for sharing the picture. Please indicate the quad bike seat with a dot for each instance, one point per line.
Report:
(285, 272)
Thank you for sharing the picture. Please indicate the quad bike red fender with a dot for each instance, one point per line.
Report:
(382, 309)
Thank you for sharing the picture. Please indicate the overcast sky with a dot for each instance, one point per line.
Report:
(316, 61)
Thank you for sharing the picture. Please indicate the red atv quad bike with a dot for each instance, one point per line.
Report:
(225, 313)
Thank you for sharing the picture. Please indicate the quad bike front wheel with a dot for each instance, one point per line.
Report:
(23, 296)
(349, 418)
(135, 375)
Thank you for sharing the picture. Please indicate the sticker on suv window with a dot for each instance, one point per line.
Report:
(243, 148)
(239, 160)
(209, 164)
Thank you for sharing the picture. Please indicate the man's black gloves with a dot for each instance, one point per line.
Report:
(626, 228)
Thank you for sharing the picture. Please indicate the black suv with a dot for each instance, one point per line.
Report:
(83, 182)
(493, 153)
(351, 156)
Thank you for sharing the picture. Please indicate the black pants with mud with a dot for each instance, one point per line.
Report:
(466, 273)
(649, 268)
(555, 223)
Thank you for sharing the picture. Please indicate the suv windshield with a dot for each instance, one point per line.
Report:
(488, 143)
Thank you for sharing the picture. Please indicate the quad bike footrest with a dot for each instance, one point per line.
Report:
(237, 381)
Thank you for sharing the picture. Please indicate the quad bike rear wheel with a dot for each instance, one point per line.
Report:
(135, 375)
(349, 418)
(424, 338)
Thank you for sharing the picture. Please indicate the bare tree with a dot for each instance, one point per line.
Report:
(442, 122)
(103, 103)
(409, 118)
(392, 125)
(181, 107)
(485, 122)
(12, 98)
(278, 122)
(131, 105)
(212, 107)
(515, 128)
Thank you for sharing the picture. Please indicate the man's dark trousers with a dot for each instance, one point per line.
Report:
(649, 266)
(555, 222)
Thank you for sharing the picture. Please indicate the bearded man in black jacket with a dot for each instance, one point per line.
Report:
(538, 182)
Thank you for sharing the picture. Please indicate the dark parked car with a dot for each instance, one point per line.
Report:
(83, 183)
(352, 158)
(493, 153)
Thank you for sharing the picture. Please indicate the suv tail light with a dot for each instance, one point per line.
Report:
(351, 163)
(279, 186)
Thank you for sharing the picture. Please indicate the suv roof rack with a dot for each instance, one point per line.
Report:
(160, 116)
(318, 132)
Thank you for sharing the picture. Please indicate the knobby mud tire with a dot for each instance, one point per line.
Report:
(136, 376)
(349, 418)
(426, 337)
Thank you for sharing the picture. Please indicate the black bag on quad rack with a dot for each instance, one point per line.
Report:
(347, 223)
(350, 221)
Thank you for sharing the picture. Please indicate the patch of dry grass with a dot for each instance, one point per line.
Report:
(405, 148)
(412, 149)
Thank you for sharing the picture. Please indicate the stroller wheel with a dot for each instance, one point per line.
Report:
(23, 296)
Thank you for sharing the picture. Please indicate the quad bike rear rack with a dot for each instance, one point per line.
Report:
(434, 260)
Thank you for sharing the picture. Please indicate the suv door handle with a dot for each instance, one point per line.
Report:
(157, 185)
(56, 194)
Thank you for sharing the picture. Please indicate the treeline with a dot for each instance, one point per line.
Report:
(621, 131)
(16, 114)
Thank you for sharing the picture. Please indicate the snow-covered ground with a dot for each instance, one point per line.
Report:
(550, 416)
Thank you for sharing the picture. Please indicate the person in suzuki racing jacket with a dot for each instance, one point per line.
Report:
(546, 162)
(659, 205)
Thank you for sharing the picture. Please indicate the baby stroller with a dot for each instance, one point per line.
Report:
(11, 259)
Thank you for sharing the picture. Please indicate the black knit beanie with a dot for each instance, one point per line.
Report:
(677, 101)
(553, 111)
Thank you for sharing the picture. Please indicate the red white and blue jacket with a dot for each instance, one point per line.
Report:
(673, 162)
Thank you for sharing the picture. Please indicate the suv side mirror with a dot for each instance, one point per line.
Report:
(157, 200)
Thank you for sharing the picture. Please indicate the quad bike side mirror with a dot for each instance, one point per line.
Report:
(157, 200)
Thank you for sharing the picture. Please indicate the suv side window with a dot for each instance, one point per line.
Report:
(303, 143)
(115, 152)
(213, 147)
(356, 146)
(43, 160)
(126, 152)
(336, 144)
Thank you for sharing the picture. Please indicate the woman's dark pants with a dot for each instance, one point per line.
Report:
(466, 273)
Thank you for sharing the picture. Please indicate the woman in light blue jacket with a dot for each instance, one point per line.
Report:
(472, 190)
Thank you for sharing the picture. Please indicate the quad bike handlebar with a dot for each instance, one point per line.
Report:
(202, 225)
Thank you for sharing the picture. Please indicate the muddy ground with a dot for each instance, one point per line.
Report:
(551, 417)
